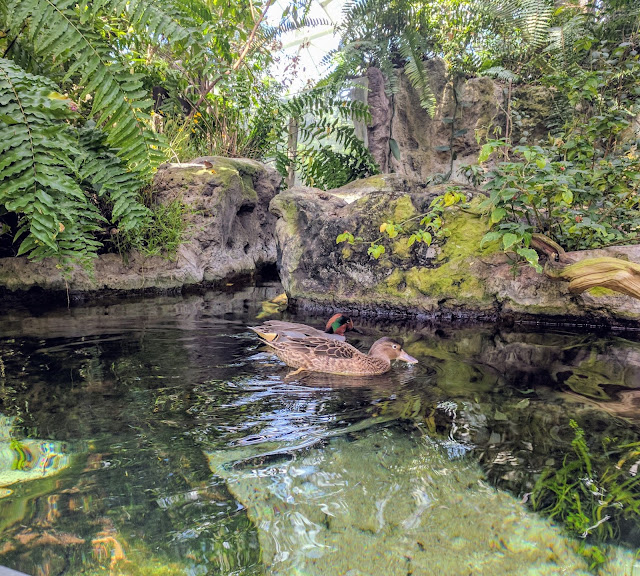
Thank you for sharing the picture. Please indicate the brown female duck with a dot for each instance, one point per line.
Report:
(320, 354)
(337, 325)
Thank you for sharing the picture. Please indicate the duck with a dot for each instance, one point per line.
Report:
(321, 354)
(335, 329)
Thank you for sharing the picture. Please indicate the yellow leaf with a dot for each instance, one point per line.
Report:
(383, 227)
(449, 199)
(61, 226)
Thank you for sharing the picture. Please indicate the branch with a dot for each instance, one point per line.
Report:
(237, 63)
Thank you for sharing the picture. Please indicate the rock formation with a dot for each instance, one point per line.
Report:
(230, 233)
(454, 278)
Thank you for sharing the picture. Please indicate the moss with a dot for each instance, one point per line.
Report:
(228, 177)
(347, 252)
(242, 166)
(454, 278)
(403, 209)
(287, 210)
(377, 182)
(401, 248)
(599, 292)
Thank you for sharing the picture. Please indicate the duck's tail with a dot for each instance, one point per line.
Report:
(266, 337)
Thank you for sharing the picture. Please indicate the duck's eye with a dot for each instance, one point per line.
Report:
(395, 346)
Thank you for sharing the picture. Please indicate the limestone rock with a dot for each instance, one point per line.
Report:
(231, 232)
(420, 138)
(454, 278)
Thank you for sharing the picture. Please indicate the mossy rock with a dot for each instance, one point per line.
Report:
(456, 276)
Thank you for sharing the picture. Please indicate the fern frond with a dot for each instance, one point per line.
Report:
(415, 70)
(501, 74)
(562, 38)
(534, 19)
(120, 105)
(37, 170)
(109, 177)
(151, 17)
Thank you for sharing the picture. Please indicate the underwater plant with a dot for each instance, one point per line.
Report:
(592, 495)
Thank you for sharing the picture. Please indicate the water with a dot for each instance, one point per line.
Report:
(158, 437)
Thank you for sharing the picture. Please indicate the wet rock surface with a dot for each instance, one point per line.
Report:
(230, 233)
(454, 278)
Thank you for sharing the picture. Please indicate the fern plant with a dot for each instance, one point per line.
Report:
(70, 167)
(68, 34)
(48, 170)
(328, 153)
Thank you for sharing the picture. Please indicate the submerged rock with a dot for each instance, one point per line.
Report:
(412, 508)
(453, 278)
(230, 233)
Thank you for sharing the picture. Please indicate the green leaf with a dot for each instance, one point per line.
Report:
(509, 239)
(497, 215)
(395, 149)
(345, 237)
(531, 256)
(8, 120)
(376, 250)
(490, 237)
(485, 152)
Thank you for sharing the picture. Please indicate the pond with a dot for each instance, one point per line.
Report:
(159, 437)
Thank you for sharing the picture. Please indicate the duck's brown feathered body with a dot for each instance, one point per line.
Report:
(320, 354)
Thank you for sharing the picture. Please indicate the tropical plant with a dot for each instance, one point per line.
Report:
(54, 175)
(73, 69)
(580, 187)
(327, 154)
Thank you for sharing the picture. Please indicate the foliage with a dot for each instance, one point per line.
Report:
(581, 186)
(591, 495)
(70, 69)
(471, 37)
(70, 35)
(162, 235)
(328, 153)
(54, 175)
(431, 228)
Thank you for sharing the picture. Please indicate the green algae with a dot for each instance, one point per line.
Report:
(454, 277)
(601, 291)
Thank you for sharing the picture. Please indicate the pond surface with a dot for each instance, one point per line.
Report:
(158, 437)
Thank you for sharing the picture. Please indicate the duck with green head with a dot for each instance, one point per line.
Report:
(335, 329)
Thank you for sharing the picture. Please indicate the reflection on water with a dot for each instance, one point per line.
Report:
(160, 437)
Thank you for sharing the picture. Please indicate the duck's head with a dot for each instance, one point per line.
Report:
(339, 324)
(391, 348)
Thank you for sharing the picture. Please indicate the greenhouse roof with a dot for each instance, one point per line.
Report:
(311, 43)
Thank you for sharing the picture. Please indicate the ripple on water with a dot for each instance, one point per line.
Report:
(384, 502)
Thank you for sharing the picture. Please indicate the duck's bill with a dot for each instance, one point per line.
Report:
(407, 358)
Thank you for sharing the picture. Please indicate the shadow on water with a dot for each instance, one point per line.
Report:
(160, 437)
